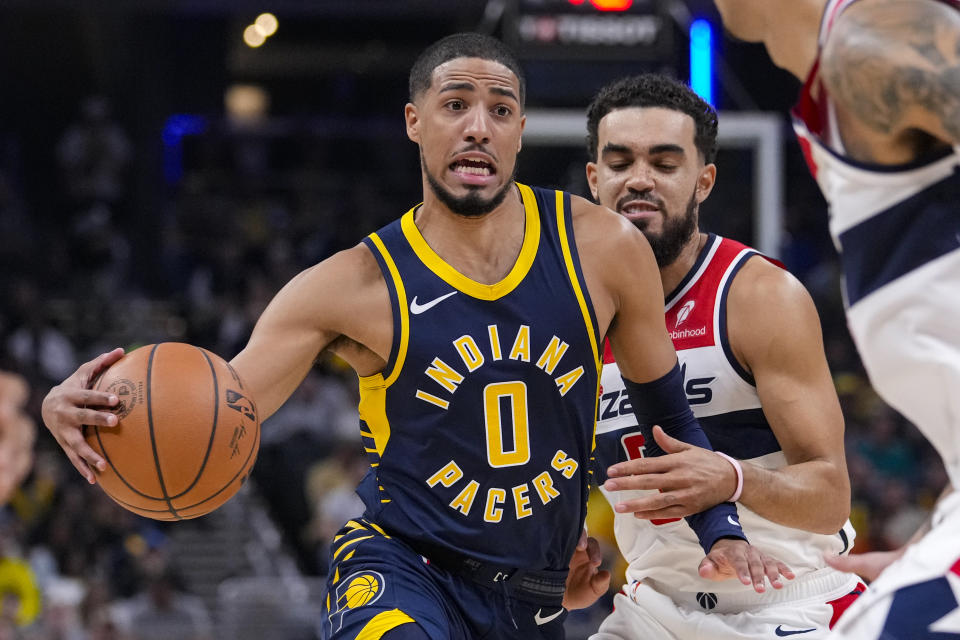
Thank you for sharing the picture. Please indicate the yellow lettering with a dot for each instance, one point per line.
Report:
(567, 380)
(444, 374)
(494, 342)
(432, 399)
(522, 501)
(564, 464)
(464, 501)
(518, 425)
(551, 355)
(469, 352)
(521, 346)
(495, 496)
(446, 476)
(543, 483)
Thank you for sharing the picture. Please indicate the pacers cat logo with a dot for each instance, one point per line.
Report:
(355, 591)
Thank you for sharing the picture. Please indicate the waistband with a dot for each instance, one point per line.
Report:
(822, 584)
(544, 588)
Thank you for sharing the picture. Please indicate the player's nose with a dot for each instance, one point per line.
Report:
(640, 179)
(477, 126)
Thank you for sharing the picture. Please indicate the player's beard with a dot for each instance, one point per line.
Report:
(668, 244)
(470, 205)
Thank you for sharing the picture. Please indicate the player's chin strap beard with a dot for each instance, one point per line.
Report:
(470, 205)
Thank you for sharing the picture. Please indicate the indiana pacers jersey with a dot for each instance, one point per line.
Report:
(898, 231)
(724, 399)
(480, 428)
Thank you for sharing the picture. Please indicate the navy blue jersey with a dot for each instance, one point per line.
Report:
(480, 427)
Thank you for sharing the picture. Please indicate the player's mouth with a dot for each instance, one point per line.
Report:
(638, 210)
(474, 170)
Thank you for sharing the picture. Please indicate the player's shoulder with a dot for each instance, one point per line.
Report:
(766, 289)
(345, 275)
(596, 224)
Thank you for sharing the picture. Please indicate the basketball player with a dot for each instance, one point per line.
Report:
(17, 433)
(475, 323)
(879, 123)
(748, 339)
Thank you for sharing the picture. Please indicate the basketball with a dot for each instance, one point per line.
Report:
(187, 436)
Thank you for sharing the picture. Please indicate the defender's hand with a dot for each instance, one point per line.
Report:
(866, 565)
(72, 404)
(585, 582)
(690, 480)
(731, 558)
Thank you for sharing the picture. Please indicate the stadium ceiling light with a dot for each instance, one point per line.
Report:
(266, 24)
(252, 36)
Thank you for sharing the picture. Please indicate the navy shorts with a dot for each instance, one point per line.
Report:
(378, 582)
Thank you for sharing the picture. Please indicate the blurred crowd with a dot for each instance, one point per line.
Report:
(228, 234)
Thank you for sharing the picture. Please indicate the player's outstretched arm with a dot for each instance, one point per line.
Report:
(893, 70)
(342, 296)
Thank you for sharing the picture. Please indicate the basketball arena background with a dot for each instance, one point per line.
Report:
(166, 165)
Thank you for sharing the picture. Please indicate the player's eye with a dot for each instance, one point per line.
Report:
(502, 110)
(456, 105)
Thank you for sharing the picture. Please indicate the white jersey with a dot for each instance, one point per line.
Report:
(898, 231)
(724, 399)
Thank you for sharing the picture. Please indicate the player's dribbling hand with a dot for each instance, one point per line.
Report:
(585, 582)
(72, 404)
(730, 558)
(690, 479)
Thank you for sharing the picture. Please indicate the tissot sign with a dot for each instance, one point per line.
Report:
(590, 29)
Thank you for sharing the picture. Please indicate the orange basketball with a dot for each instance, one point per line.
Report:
(188, 433)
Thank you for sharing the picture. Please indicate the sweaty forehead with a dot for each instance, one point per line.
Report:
(477, 71)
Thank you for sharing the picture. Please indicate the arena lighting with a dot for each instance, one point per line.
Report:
(266, 24)
(605, 5)
(701, 59)
(252, 36)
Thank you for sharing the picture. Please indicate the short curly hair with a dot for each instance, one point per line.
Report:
(462, 45)
(654, 90)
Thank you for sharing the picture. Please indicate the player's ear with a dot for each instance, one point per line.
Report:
(592, 180)
(413, 122)
(705, 181)
(523, 123)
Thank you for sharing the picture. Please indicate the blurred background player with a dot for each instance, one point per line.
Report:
(879, 123)
(749, 342)
(474, 322)
(17, 433)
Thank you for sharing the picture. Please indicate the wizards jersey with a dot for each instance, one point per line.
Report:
(479, 430)
(898, 231)
(723, 396)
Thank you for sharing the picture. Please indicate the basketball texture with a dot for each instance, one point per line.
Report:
(188, 432)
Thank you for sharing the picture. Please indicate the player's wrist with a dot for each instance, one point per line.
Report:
(738, 469)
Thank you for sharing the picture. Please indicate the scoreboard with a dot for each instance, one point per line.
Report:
(639, 30)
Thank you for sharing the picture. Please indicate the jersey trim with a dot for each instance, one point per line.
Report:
(383, 622)
(709, 248)
(585, 309)
(377, 379)
(738, 263)
(575, 280)
(693, 275)
(436, 264)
